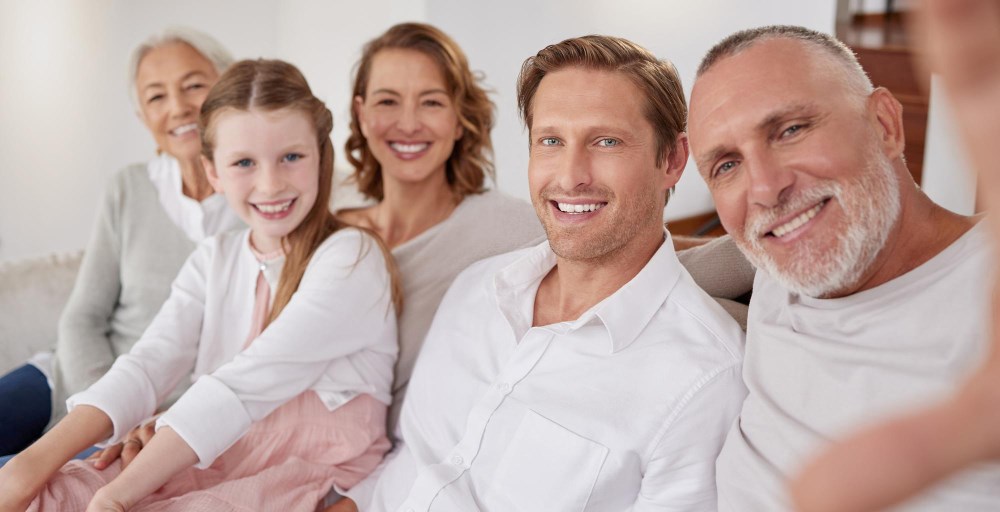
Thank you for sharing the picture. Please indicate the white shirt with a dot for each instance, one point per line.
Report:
(197, 219)
(819, 369)
(627, 406)
(337, 337)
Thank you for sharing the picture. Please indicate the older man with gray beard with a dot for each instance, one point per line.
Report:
(872, 298)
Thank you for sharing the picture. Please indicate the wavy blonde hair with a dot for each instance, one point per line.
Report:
(472, 158)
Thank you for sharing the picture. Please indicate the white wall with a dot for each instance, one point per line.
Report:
(498, 36)
(66, 124)
(947, 177)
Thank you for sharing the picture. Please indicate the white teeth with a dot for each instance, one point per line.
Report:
(579, 208)
(181, 130)
(274, 208)
(795, 223)
(409, 148)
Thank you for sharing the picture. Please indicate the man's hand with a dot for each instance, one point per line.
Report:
(889, 463)
(127, 449)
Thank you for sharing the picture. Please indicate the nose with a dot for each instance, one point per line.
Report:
(409, 119)
(269, 180)
(576, 169)
(771, 181)
(180, 105)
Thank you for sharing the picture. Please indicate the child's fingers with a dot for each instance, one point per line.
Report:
(131, 448)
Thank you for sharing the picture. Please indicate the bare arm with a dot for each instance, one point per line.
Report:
(26, 474)
(164, 456)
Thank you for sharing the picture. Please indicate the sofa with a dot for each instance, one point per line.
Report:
(32, 295)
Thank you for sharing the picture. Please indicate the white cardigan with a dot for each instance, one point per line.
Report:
(337, 337)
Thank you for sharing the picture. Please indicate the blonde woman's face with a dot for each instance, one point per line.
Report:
(171, 83)
(408, 117)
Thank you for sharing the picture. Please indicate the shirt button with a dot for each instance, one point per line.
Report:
(263, 267)
(457, 460)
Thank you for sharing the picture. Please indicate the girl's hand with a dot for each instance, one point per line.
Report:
(104, 501)
(17, 487)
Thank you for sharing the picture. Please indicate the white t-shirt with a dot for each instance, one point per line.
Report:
(819, 369)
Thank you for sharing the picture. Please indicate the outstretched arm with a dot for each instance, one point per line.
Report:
(164, 456)
(891, 462)
(26, 474)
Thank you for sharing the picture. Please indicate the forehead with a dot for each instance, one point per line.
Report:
(259, 129)
(171, 61)
(578, 97)
(769, 76)
(401, 68)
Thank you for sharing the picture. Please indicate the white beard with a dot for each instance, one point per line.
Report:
(871, 208)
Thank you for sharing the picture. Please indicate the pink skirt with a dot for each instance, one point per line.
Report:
(287, 462)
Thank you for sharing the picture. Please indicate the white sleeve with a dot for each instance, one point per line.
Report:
(681, 473)
(139, 381)
(343, 305)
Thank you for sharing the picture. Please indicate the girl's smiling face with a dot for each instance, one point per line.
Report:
(266, 163)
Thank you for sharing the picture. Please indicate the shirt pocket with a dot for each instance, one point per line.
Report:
(545, 468)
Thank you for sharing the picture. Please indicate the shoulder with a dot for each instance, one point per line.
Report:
(348, 248)
(480, 276)
(134, 175)
(493, 222)
(704, 320)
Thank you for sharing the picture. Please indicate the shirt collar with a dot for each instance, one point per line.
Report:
(624, 313)
(270, 264)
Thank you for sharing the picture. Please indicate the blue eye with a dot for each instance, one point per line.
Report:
(724, 168)
(608, 143)
(548, 141)
(293, 157)
(245, 162)
(792, 130)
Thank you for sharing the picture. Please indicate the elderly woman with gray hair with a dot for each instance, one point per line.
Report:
(152, 216)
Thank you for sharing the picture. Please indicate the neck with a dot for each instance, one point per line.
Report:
(574, 286)
(194, 183)
(409, 209)
(922, 231)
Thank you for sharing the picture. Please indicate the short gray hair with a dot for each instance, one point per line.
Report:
(855, 76)
(203, 43)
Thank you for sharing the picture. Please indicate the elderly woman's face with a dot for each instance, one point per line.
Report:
(172, 83)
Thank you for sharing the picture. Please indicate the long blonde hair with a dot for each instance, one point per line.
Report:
(273, 85)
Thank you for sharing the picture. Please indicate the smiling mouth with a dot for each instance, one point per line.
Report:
(798, 221)
(579, 208)
(183, 129)
(409, 149)
(273, 208)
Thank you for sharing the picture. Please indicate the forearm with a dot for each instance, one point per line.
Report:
(166, 455)
(30, 469)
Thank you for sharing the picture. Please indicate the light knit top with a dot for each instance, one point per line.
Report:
(134, 253)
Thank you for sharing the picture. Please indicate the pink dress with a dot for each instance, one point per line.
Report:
(286, 462)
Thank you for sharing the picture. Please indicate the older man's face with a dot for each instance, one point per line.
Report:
(793, 159)
(592, 170)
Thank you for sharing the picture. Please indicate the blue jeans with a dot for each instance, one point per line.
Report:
(25, 408)
(80, 456)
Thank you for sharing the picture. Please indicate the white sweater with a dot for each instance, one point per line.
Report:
(337, 337)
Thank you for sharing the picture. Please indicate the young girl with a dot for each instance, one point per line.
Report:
(289, 325)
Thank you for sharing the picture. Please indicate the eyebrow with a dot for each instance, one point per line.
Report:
(767, 125)
(422, 93)
(190, 74)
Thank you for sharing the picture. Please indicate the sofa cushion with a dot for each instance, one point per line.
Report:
(32, 295)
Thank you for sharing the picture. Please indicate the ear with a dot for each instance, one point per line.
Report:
(675, 161)
(887, 116)
(211, 173)
(459, 129)
(359, 110)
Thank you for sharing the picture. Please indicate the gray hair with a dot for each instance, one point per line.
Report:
(855, 76)
(203, 43)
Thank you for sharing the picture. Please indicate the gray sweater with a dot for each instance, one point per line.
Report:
(133, 255)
